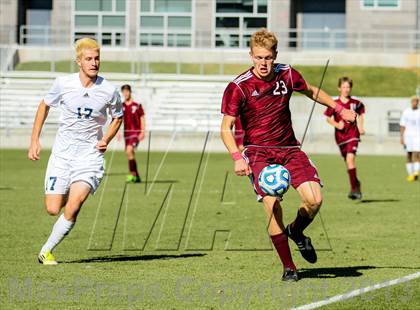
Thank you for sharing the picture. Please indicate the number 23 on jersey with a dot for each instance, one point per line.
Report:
(280, 88)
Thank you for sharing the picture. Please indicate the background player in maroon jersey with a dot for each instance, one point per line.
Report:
(347, 135)
(260, 97)
(134, 126)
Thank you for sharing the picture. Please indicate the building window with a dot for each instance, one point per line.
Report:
(380, 4)
(166, 23)
(236, 20)
(103, 20)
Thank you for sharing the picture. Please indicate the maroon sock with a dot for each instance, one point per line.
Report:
(299, 224)
(132, 167)
(281, 244)
(353, 178)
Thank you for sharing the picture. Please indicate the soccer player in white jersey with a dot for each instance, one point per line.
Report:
(410, 138)
(75, 167)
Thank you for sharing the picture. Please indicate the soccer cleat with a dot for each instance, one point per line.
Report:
(411, 178)
(133, 179)
(304, 245)
(353, 195)
(290, 275)
(47, 258)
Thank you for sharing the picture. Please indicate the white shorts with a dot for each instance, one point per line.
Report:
(412, 143)
(62, 172)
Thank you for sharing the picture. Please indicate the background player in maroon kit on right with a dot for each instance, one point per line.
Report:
(134, 126)
(347, 135)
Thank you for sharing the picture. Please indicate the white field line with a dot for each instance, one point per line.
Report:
(351, 294)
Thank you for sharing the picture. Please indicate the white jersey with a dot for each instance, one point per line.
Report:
(83, 113)
(410, 119)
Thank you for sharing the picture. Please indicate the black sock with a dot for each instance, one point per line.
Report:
(299, 224)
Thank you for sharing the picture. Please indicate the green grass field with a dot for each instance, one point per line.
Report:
(160, 250)
(368, 81)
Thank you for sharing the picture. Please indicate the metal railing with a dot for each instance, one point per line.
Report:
(290, 39)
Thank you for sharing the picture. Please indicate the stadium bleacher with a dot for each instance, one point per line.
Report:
(170, 104)
(184, 104)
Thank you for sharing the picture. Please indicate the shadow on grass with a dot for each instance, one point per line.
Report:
(342, 272)
(378, 200)
(333, 272)
(113, 174)
(161, 182)
(126, 258)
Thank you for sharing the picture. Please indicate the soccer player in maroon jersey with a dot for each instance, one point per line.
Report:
(347, 135)
(260, 97)
(134, 126)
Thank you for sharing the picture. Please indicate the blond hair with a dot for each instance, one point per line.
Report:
(264, 38)
(414, 98)
(85, 43)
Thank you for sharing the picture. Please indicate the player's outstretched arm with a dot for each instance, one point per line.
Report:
(241, 167)
(112, 131)
(323, 98)
(41, 115)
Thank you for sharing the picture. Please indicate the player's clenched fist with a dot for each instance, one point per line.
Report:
(242, 168)
(101, 146)
(348, 115)
(34, 150)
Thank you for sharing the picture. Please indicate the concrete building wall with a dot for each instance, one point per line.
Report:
(279, 18)
(133, 22)
(402, 18)
(406, 17)
(8, 21)
(204, 19)
(61, 22)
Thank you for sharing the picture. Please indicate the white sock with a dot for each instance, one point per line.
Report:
(410, 168)
(60, 229)
(416, 167)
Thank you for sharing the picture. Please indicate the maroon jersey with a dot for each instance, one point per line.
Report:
(263, 106)
(132, 119)
(350, 132)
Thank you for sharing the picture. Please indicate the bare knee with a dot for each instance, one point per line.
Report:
(130, 152)
(312, 205)
(52, 208)
(53, 204)
(350, 161)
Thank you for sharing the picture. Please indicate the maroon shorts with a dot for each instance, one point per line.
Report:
(133, 141)
(349, 147)
(300, 167)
